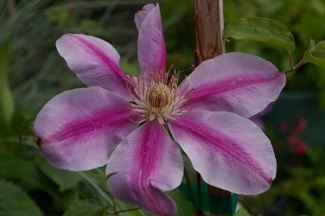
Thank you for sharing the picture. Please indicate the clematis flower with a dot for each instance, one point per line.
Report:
(134, 124)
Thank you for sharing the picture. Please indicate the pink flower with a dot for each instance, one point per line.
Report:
(127, 122)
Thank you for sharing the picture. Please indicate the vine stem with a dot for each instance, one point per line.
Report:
(290, 61)
(300, 63)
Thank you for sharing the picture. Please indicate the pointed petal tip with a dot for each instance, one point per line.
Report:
(141, 14)
(148, 197)
(94, 61)
(151, 42)
(154, 166)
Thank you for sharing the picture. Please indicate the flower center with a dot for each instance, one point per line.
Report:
(155, 97)
(159, 97)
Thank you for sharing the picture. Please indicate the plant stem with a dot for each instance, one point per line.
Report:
(301, 63)
(290, 61)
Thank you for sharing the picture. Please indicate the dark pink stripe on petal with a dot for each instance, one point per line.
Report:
(96, 51)
(79, 128)
(234, 82)
(94, 61)
(153, 165)
(85, 126)
(229, 151)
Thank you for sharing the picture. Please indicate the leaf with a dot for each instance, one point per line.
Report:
(15, 202)
(312, 45)
(242, 212)
(184, 206)
(63, 178)
(27, 171)
(262, 30)
(6, 99)
(86, 208)
(320, 45)
(315, 57)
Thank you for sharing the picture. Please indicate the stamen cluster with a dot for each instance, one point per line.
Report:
(155, 96)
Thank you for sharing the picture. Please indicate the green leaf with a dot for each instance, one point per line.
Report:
(6, 99)
(63, 178)
(27, 171)
(315, 57)
(262, 30)
(320, 45)
(15, 202)
(184, 206)
(312, 45)
(86, 208)
(242, 212)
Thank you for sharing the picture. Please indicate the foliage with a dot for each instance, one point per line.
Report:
(316, 54)
(303, 20)
(14, 201)
(6, 100)
(263, 30)
(31, 72)
(298, 190)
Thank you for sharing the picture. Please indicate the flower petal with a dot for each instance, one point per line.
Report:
(79, 128)
(94, 61)
(147, 163)
(229, 151)
(234, 82)
(151, 42)
(141, 15)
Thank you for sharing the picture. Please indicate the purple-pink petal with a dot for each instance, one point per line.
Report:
(141, 15)
(151, 42)
(229, 151)
(79, 128)
(94, 61)
(147, 164)
(235, 82)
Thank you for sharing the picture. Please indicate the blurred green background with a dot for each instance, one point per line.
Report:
(32, 72)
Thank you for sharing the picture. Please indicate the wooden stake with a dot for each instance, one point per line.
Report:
(209, 29)
(209, 25)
